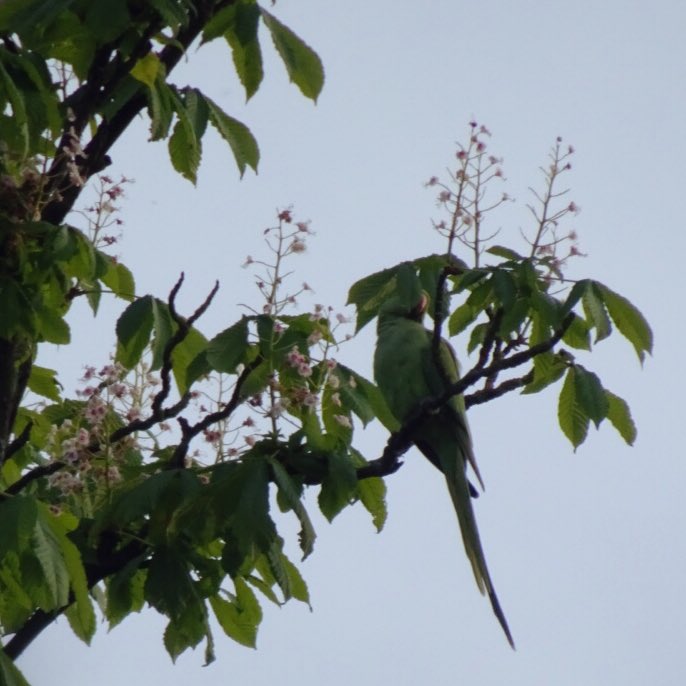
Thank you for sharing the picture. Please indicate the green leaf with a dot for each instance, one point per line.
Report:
(118, 278)
(302, 63)
(595, 312)
(134, 327)
(461, 318)
(577, 334)
(19, 516)
(548, 368)
(160, 107)
(169, 587)
(81, 614)
(505, 253)
(185, 150)
(292, 497)
(43, 381)
(172, 12)
(504, 287)
(242, 36)
(237, 135)
(369, 293)
(620, 416)
(590, 394)
(575, 295)
(186, 631)
(241, 618)
(339, 486)
(125, 593)
(184, 355)
(147, 69)
(107, 19)
(47, 551)
(571, 415)
(51, 326)
(628, 320)
(363, 398)
(582, 399)
(229, 348)
(14, 96)
(296, 584)
(163, 327)
(372, 494)
(9, 673)
(477, 336)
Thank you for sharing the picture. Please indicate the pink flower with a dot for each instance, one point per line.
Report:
(134, 413)
(310, 400)
(304, 369)
(343, 420)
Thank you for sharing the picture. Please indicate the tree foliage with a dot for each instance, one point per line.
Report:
(153, 485)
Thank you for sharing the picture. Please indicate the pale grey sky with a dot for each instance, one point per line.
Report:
(586, 549)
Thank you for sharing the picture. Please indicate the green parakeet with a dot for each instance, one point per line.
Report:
(407, 372)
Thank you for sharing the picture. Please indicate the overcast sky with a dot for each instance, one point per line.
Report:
(586, 549)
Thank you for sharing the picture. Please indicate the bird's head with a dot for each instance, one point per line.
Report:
(414, 308)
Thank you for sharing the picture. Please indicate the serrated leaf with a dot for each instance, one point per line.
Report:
(461, 318)
(133, 329)
(571, 415)
(172, 12)
(575, 294)
(163, 328)
(292, 497)
(303, 65)
(147, 69)
(296, 583)
(241, 141)
(595, 312)
(47, 551)
(504, 287)
(43, 381)
(590, 394)
(577, 334)
(51, 326)
(187, 630)
(628, 320)
(119, 279)
(18, 516)
(476, 338)
(185, 150)
(339, 485)
(372, 494)
(81, 613)
(363, 398)
(245, 47)
(505, 253)
(620, 416)
(241, 618)
(125, 593)
(161, 108)
(229, 348)
(548, 368)
(184, 355)
(368, 293)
